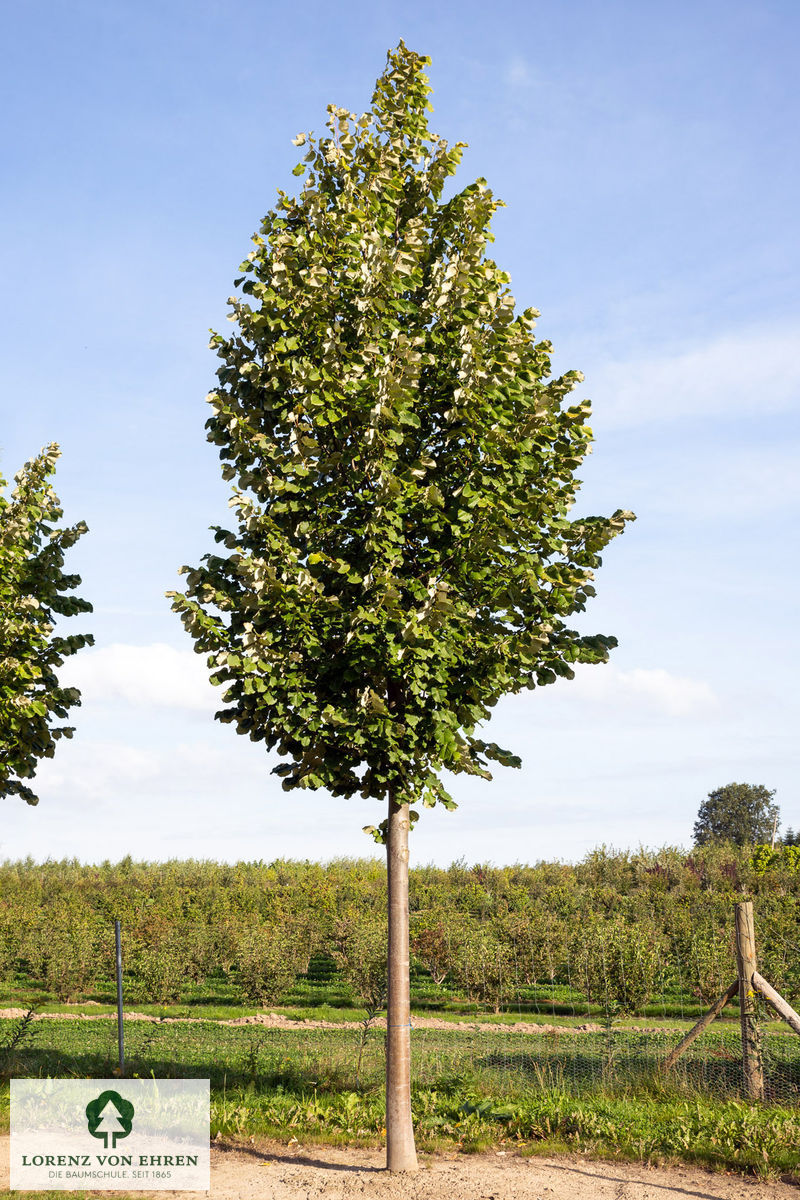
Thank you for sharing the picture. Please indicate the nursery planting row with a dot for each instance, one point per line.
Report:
(620, 932)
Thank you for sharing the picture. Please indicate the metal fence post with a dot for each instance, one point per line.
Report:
(120, 1031)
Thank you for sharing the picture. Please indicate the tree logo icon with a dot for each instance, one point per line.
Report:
(109, 1116)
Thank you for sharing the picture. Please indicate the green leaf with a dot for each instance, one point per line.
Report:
(34, 592)
(403, 465)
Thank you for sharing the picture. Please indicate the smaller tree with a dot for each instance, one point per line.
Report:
(432, 943)
(482, 964)
(270, 957)
(616, 963)
(32, 592)
(359, 950)
(742, 813)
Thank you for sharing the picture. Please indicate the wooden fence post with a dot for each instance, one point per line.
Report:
(751, 1042)
(775, 1000)
(703, 1023)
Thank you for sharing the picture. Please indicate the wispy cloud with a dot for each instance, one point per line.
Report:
(152, 676)
(744, 482)
(518, 73)
(748, 373)
(648, 690)
(86, 774)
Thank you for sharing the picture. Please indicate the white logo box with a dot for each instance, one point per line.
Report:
(146, 1135)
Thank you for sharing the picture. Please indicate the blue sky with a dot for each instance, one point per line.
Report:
(647, 157)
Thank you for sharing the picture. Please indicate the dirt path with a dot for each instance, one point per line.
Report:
(270, 1171)
(279, 1021)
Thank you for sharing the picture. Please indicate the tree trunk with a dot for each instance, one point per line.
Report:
(401, 1154)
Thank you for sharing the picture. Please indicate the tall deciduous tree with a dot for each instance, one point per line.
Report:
(33, 590)
(738, 812)
(403, 463)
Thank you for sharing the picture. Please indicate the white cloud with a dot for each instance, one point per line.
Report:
(157, 676)
(652, 690)
(518, 73)
(752, 372)
(87, 772)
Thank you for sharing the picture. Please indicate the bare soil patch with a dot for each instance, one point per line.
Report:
(273, 1171)
(279, 1021)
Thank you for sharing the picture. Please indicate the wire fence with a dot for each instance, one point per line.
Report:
(510, 1064)
(508, 1005)
(501, 1062)
(569, 1053)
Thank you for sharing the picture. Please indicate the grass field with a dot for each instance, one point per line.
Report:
(323, 994)
(599, 1092)
(658, 926)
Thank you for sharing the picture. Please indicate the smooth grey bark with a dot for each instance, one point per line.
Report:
(401, 1154)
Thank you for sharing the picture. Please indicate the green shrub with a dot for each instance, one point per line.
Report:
(431, 943)
(360, 952)
(160, 970)
(60, 951)
(710, 964)
(616, 964)
(483, 964)
(8, 959)
(269, 958)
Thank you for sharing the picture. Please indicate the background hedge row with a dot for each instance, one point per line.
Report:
(617, 929)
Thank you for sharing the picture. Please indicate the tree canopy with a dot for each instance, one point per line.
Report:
(403, 465)
(742, 813)
(33, 592)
